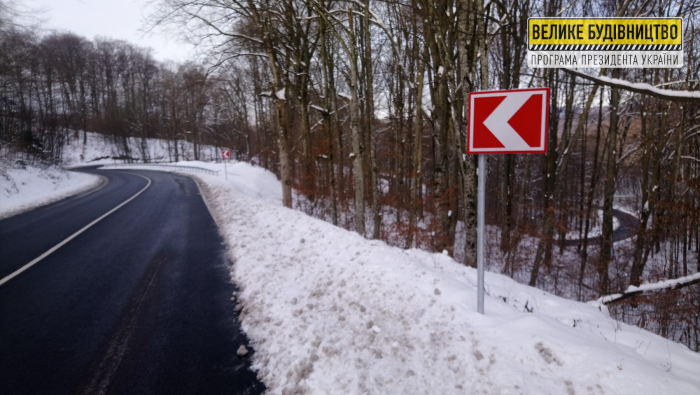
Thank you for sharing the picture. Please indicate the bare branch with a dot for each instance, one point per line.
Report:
(666, 285)
(637, 87)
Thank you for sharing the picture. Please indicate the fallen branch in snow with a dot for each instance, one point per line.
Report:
(633, 291)
(345, 96)
(320, 109)
(637, 87)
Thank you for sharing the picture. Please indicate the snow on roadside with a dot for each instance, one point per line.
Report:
(250, 180)
(330, 312)
(23, 188)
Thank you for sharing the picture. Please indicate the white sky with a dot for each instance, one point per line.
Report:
(118, 19)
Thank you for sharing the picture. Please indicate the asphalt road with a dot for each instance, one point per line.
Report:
(139, 303)
(628, 228)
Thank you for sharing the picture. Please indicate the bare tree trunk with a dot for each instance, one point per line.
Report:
(283, 146)
(468, 22)
(307, 160)
(435, 30)
(582, 183)
(591, 195)
(637, 266)
(675, 181)
(369, 119)
(657, 210)
(609, 193)
(544, 245)
(506, 200)
(417, 182)
(280, 105)
(568, 121)
(685, 244)
(440, 127)
(336, 131)
(328, 123)
(357, 148)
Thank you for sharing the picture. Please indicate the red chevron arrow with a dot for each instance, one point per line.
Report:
(507, 122)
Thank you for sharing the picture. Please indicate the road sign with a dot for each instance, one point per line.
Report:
(226, 154)
(502, 122)
(508, 122)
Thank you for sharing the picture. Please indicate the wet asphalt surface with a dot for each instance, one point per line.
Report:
(139, 303)
(628, 228)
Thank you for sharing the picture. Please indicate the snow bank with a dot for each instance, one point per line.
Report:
(253, 181)
(330, 312)
(23, 188)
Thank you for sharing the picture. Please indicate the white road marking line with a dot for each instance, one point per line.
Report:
(73, 236)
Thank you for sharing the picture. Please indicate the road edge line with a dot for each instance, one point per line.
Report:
(203, 191)
(74, 235)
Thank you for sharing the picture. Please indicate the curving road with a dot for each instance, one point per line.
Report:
(138, 303)
(628, 228)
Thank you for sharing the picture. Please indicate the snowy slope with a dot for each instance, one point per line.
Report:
(26, 187)
(330, 312)
(100, 149)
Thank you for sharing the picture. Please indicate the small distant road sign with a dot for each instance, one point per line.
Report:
(508, 122)
(226, 154)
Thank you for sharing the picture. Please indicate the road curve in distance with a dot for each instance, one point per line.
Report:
(140, 303)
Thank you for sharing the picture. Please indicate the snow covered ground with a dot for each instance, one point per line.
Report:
(330, 312)
(24, 187)
(101, 149)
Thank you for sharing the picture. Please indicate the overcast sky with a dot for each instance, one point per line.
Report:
(119, 19)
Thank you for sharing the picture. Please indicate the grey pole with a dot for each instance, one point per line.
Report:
(480, 214)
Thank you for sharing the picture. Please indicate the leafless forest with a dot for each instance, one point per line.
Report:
(359, 108)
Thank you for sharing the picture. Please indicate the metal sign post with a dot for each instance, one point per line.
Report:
(502, 122)
(480, 215)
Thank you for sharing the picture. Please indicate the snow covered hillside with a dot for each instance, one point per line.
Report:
(101, 149)
(24, 186)
(330, 312)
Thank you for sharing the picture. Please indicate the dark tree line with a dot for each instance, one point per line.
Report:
(60, 86)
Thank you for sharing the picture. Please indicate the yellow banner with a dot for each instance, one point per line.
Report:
(605, 31)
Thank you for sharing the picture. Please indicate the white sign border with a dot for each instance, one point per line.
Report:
(533, 150)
